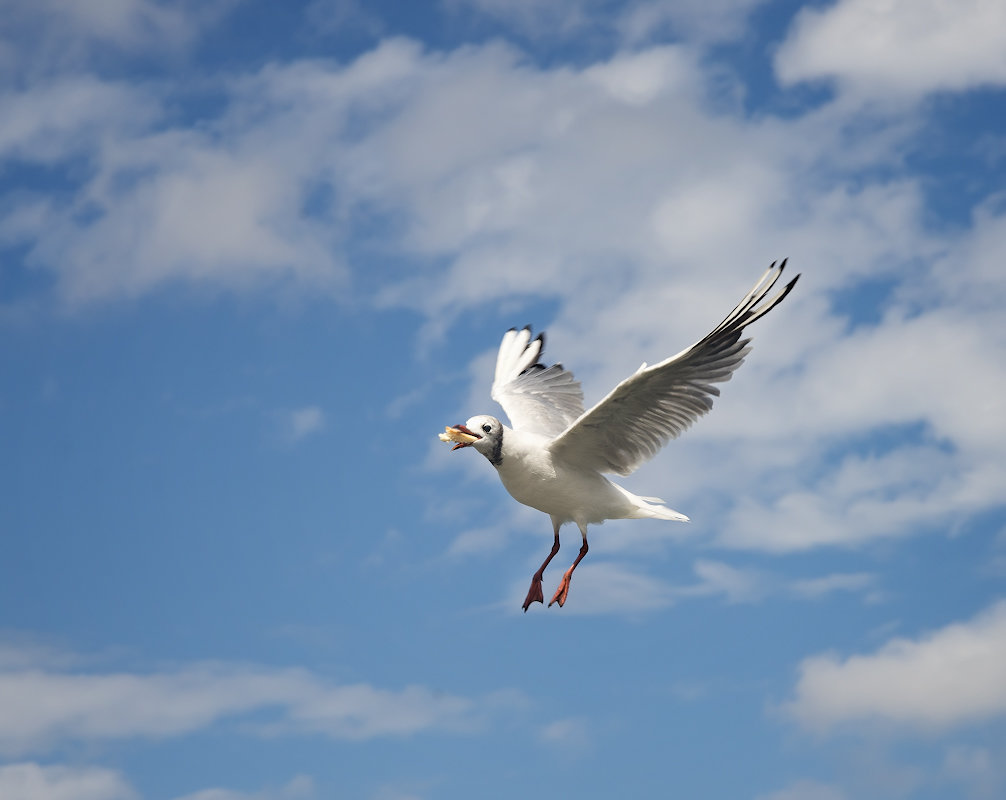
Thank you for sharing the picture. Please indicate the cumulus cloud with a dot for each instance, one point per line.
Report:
(41, 707)
(682, 224)
(630, 192)
(898, 46)
(947, 678)
(68, 116)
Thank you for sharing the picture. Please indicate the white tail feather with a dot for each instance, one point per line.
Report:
(644, 508)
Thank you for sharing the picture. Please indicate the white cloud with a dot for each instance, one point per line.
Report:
(302, 422)
(908, 491)
(950, 677)
(31, 781)
(638, 79)
(41, 707)
(712, 201)
(177, 208)
(898, 46)
(66, 116)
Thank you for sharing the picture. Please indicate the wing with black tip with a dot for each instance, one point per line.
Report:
(659, 403)
(537, 398)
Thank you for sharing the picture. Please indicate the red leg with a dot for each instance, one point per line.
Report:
(563, 591)
(534, 594)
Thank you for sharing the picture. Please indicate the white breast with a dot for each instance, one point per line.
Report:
(534, 478)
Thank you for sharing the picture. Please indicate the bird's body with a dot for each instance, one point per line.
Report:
(535, 477)
(553, 457)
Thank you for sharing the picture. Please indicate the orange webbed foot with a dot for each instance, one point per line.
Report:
(563, 591)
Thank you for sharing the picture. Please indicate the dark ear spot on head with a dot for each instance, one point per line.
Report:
(496, 456)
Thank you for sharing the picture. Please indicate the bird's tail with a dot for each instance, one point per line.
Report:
(650, 508)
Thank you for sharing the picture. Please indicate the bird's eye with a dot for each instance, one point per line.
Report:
(487, 428)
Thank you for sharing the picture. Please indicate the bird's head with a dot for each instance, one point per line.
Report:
(482, 432)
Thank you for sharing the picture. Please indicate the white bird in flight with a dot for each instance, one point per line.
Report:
(553, 457)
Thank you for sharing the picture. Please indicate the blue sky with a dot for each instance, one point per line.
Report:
(253, 257)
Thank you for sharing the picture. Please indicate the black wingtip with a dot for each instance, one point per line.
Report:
(787, 289)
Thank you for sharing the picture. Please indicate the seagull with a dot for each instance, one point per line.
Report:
(554, 455)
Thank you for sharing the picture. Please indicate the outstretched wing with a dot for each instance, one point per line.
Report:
(659, 403)
(536, 398)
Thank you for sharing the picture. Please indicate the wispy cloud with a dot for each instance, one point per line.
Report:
(570, 735)
(635, 23)
(749, 585)
(303, 422)
(735, 585)
(42, 707)
(838, 582)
